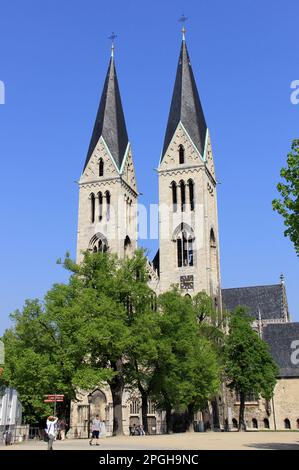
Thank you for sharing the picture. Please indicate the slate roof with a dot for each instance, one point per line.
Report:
(283, 339)
(185, 105)
(110, 120)
(268, 300)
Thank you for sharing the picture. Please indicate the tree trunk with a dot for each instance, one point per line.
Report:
(190, 419)
(215, 411)
(168, 420)
(144, 411)
(117, 387)
(242, 425)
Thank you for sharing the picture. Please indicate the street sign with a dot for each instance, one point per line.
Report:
(53, 398)
(52, 401)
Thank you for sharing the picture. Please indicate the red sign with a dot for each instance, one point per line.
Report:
(53, 398)
(52, 401)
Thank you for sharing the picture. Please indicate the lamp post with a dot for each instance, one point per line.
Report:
(89, 398)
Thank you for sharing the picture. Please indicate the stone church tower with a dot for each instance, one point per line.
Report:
(108, 191)
(188, 225)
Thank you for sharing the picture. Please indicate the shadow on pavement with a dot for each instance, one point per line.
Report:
(275, 446)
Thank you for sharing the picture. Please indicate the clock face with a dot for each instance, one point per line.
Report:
(187, 282)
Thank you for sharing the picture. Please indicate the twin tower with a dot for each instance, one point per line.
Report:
(188, 227)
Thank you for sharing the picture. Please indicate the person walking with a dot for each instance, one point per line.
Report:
(51, 430)
(95, 429)
(61, 426)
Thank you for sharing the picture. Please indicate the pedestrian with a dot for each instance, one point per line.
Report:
(51, 430)
(61, 427)
(95, 429)
(7, 437)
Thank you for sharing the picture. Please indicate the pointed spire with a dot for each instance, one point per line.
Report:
(185, 105)
(110, 121)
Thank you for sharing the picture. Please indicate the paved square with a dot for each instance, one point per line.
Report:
(192, 441)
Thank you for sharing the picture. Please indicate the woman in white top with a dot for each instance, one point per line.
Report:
(51, 430)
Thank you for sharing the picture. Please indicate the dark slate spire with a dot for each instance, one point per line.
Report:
(185, 105)
(110, 120)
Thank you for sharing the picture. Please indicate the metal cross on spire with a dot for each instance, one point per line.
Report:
(183, 20)
(112, 38)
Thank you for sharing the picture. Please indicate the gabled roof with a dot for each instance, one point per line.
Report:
(283, 341)
(268, 301)
(186, 106)
(110, 121)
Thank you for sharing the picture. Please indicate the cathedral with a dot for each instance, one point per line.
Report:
(188, 252)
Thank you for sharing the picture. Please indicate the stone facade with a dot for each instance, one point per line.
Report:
(113, 223)
(280, 413)
(188, 253)
(198, 218)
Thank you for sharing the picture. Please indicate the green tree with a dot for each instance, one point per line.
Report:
(44, 353)
(103, 303)
(288, 205)
(249, 366)
(187, 374)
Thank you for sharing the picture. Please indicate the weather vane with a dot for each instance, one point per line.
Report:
(112, 38)
(183, 20)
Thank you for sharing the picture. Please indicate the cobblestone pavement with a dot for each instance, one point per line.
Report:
(197, 441)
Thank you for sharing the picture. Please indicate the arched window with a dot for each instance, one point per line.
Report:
(254, 423)
(235, 423)
(184, 249)
(287, 424)
(98, 243)
(108, 202)
(188, 296)
(191, 194)
(101, 167)
(212, 239)
(179, 252)
(297, 423)
(174, 196)
(181, 154)
(100, 197)
(134, 406)
(266, 423)
(183, 195)
(92, 208)
(127, 246)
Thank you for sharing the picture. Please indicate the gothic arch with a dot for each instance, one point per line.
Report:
(98, 404)
(183, 226)
(184, 238)
(98, 243)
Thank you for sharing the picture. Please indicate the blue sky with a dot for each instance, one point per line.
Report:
(53, 60)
